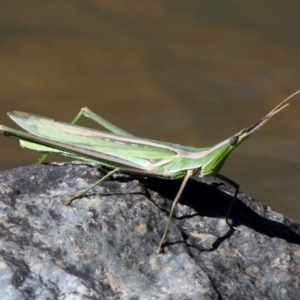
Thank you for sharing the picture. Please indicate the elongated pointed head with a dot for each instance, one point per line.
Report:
(217, 155)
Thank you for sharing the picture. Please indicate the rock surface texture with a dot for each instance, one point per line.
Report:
(104, 246)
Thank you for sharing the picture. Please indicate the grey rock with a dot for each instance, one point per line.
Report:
(104, 246)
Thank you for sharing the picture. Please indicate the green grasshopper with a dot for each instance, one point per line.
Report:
(121, 151)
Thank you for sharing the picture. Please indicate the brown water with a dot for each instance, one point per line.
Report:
(188, 72)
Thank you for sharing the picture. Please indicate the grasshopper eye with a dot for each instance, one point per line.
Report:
(233, 140)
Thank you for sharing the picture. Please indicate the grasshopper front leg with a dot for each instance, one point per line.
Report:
(236, 187)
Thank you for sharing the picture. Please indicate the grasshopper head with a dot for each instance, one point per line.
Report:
(217, 155)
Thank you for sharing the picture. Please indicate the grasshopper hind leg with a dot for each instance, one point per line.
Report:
(92, 186)
(74, 121)
(86, 112)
